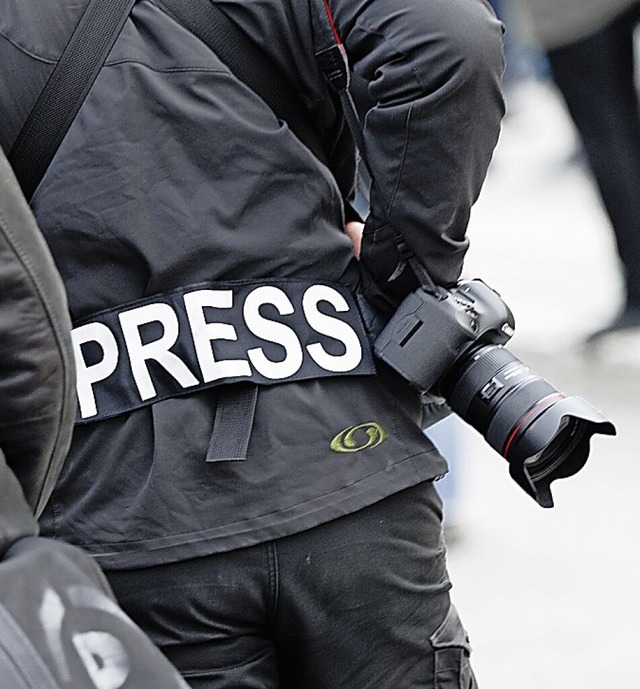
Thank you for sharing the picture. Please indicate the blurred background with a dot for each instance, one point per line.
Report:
(550, 597)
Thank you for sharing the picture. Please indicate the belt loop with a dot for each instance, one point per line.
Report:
(235, 411)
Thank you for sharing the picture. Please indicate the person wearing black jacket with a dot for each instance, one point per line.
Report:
(296, 542)
(59, 623)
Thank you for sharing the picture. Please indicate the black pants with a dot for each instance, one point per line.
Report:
(596, 78)
(359, 602)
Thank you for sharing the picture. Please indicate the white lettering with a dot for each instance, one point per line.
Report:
(104, 658)
(185, 333)
(51, 616)
(86, 376)
(158, 350)
(332, 327)
(204, 333)
(272, 331)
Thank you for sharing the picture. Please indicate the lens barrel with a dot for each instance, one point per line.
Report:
(543, 434)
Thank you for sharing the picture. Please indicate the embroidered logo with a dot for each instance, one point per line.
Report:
(357, 438)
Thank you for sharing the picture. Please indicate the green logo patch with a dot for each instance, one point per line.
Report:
(357, 438)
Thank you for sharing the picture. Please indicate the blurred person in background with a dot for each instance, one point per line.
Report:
(590, 48)
(59, 623)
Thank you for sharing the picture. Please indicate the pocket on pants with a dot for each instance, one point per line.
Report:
(451, 654)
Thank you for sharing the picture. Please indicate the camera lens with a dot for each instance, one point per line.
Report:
(543, 434)
(570, 434)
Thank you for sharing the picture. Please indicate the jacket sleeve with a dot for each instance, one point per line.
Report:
(37, 391)
(432, 70)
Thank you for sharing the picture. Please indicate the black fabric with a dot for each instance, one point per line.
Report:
(361, 602)
(66, 89)
(59, 624)
(292, 478)
(16, 519)
(249, 63)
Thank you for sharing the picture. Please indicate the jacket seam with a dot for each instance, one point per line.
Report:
(110, 63)
(168, 70)
(22, 49)
(198, 535)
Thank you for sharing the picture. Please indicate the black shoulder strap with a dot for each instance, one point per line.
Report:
(248, 62)
(65, 90)
(332, 60)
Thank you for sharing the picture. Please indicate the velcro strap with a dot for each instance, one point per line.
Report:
(212, 334)
(235, 410)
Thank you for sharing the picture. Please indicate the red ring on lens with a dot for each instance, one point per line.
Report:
(543, 402)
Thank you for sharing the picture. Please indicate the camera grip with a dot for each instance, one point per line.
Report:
(421, 340)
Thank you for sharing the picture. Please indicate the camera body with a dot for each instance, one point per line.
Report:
(429, 331)
(451, 343)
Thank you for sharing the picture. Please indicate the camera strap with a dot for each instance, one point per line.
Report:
(332, 60)
(422, 274)
(331, 57)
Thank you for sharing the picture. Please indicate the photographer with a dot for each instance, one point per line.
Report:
(59, 624)
(259, 493)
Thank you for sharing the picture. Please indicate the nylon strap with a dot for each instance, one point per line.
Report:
(331, 57)
(63, 94)
(235, 411)
(332, 60)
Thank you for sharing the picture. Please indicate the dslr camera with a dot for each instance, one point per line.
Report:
(450, 342)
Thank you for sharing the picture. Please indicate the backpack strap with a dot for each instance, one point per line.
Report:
(65, 90)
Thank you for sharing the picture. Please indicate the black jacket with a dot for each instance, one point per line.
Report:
(175, 174)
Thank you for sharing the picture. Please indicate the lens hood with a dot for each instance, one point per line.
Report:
(552, 442)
